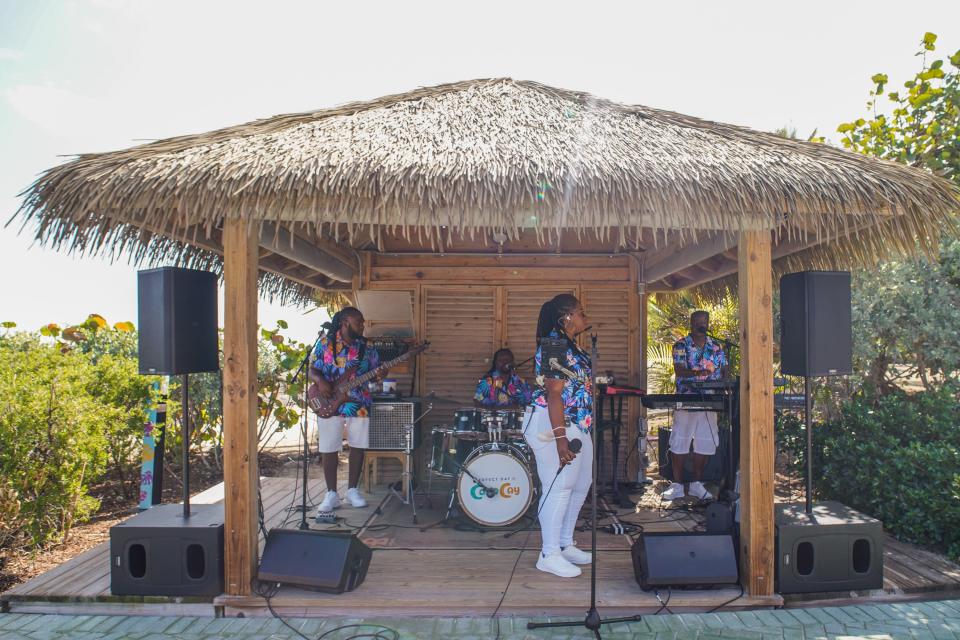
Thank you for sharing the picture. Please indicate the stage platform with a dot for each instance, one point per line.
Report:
(451, 569)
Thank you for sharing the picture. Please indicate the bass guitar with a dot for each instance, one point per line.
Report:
(342, 386)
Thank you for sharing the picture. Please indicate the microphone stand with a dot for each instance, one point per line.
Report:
(304, 432)
(731, 494)
(593, 621)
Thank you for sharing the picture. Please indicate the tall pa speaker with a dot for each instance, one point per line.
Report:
(816, 338)
(316, 560)
(159, 552)
(684, 559)
(177, 318)
(834, 548)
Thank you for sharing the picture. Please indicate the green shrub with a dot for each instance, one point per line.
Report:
(896, 457)
(53, 436)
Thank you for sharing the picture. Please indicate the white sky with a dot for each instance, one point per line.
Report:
(96, 75)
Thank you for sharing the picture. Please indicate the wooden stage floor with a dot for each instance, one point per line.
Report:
(449, 569)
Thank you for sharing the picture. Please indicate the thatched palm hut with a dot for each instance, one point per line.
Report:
(489, 185)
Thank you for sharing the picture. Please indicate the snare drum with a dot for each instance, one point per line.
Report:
(448, 452)
(495, 487)
(468, 423)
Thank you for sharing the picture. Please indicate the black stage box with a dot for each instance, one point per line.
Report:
(161, 553)
(816, 335)
(316, 560)
(684, 559)
(833, 549)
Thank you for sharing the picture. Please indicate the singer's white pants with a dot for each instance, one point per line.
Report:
(559, 506)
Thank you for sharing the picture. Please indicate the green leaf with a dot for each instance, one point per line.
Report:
(282, 324)
(8, 324)
(929, 39)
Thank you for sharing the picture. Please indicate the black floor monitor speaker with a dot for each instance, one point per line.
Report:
(316, 560)
(712, 472)
(816, 337)
(160, 553)
(684, 559)
(177, 321)
(833, 549)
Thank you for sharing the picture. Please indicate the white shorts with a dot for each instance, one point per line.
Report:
(698, 427)
(330, 433)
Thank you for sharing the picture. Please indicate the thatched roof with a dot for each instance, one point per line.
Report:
(496, 154)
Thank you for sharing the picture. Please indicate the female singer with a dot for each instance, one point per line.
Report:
(562, 411)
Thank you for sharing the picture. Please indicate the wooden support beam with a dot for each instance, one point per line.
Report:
(672, 259)
(756, 413)
(282, 242)
(240, 406)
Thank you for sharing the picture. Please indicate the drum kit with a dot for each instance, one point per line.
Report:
(483, 451)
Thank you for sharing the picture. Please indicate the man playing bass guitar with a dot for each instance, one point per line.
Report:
(343, 349)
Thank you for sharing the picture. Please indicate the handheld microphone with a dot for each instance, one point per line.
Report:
(574, 445)
(584, 330)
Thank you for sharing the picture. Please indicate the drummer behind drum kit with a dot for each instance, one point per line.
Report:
(484, 452)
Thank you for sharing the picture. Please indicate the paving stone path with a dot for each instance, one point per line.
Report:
(916, 620)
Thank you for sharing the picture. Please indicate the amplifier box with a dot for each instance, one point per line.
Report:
(161, 553)
(389, 422)
(833, 549)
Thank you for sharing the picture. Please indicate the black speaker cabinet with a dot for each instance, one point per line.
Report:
(833, 549)
(714, 470)
(316, 560)
(816, 338)
(682, 559)
(161, 553)
(177, 318)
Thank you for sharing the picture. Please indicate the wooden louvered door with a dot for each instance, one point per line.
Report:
(460, 324)
(609, 313)
(520, 322)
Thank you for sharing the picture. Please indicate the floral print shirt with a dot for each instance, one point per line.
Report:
(333, 365)
(495, 390)
(687, 354)
(577, 394)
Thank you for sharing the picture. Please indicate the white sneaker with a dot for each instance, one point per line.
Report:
(673, 492)
(556, 564)
(330, 502)
(697, 490)
(355, 499)
(575, 556)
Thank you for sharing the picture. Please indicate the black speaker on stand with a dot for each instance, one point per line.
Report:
(167, 550)
(827, 546)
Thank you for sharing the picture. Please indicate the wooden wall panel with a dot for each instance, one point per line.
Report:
(608, 309)
(520, 324)
(459, 322)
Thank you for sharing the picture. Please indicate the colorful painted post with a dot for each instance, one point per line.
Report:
(151, 467)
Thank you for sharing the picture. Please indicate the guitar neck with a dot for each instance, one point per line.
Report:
(373, 373)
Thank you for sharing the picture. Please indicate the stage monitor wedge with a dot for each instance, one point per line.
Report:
(816, 337)
(177, 321)
(315, 560)
(684, 559)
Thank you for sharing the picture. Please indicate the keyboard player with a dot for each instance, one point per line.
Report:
(696, 358)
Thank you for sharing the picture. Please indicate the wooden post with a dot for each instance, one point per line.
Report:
(240, 406)
(756, 413)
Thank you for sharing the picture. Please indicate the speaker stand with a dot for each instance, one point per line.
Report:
(185, 439)
(592, 621)
(807, 420)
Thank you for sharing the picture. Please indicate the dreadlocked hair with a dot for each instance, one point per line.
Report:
(551, 314)
(493, 362)
(336, 322)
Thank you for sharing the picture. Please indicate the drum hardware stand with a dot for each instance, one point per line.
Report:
(406, 477)
(592, 621)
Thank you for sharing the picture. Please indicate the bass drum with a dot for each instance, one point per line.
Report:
(495, 487)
